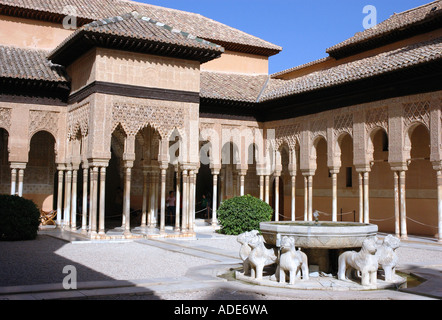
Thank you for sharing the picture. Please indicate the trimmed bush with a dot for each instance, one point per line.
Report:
(19, 218)
(243, 214)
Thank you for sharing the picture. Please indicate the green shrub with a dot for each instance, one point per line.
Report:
(243, 214)
(19, 218)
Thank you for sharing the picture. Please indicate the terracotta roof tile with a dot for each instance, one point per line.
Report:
(29, 64)
(382, 63)
(193, 23)
(139, 34)
(396, 23)
(232, 86)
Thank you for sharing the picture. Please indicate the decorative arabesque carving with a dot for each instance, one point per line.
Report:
(417, 112)
(78, 120)
(318, 128)
(289, 134)
(343, 123)
(5, 118)
(134, 117)
(377, 117)
(43, 120)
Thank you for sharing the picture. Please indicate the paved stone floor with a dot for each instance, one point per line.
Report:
(175, 269)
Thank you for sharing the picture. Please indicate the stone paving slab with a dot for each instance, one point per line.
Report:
(206, 278)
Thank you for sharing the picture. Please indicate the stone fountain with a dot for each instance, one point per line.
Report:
(323, 242)
(338, 250)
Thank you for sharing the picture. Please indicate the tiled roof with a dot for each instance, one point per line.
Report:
(382, 63)
(137, 31)
(232, 86)
(305, 65)
(396, 24)
(193, 23)
(28, 64)
(134, 25)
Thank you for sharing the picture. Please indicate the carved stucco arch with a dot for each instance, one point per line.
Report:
(56, 144)
(338, 142)
(315, 141)
(135, 117)
(408, 132)
(370, 138)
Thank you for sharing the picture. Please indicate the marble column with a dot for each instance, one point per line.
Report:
(293, 199)
(261, 188)
(267, 189)
(21, 175)
(94, 204)
(306, 197)
(101, 226)
(177, 201)
(85, 198)
(276, 195)
(144, 205)
(60, 196)
(126, 199)
(397, 226)
(242, 176)
(163, 202)
(310, 198)
(215, 174)
(184, 226)
(67, 199)
(91, 188)
(74, 200)
(151, 218)
(334, 176)
(366, 198)
(403, 209)
(192, 191)
(13, 181)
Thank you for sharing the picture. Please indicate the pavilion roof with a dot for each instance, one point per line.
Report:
(399, 26)
(91, 10)
(138, 33)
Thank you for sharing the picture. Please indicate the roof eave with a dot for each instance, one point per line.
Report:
(344, 49)
(82, 41)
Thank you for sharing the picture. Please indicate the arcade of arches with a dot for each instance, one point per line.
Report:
(349, 168)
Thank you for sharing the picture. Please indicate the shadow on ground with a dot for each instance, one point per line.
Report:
(36, 262)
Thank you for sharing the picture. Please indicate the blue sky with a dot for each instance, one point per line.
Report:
(305, 29)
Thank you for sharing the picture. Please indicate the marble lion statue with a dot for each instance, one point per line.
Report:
(291, 261)
(387, 256)
(260, 257)
(246, 249)
(365, 262)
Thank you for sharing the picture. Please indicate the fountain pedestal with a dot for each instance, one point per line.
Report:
(323, 242)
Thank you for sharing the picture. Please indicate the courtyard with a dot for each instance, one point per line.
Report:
(177, 270)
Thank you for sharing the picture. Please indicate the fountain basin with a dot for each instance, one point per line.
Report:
(321, 235)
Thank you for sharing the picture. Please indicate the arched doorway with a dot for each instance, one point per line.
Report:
(421, 197)
(381, 182)
(322, 181)
(41, 172)
(347, 181)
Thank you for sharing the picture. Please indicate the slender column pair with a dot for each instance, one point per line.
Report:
(17, 178)
(188, 209)
(364, 197)
(97, 201)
